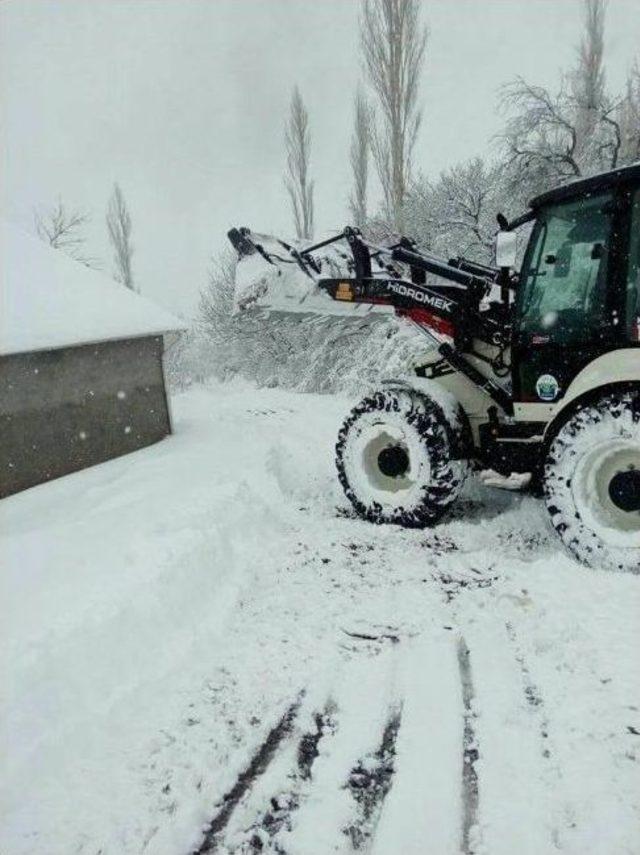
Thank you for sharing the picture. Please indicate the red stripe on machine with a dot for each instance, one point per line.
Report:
(423, 318)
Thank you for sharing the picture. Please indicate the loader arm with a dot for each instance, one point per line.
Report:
(448, 309)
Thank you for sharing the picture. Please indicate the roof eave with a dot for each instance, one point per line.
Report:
(45, 347)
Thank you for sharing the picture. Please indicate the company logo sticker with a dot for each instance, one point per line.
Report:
(419, 296)
(547, 387)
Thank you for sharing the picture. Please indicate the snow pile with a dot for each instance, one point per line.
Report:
(283, 287)
(288, 290)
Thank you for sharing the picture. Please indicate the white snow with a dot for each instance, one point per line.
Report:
(162, 610)
(513, 481)
(48, 300)
(284, 288)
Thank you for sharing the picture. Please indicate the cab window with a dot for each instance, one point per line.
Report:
(563, 293)
(633, 282)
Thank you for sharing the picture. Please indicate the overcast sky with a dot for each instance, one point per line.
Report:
(183, 102)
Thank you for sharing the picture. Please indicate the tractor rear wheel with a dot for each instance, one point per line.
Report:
(592, 482)
(394, 459)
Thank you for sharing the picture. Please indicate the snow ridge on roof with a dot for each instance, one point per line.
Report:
(48, 300)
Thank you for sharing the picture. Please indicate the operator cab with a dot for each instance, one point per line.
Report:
(578, 294)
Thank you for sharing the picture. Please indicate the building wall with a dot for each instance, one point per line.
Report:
(62, 410)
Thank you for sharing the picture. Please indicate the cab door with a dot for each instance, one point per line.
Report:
(566, 310)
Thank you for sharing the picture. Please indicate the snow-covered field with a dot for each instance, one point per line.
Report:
(204, 651)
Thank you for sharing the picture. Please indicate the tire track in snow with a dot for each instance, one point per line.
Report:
(423, 808)
(535, 702)
(340, 802)
(368, 784)
(470, 753)
(519, 801)
(257, 766)
(531, 691)
(262, 834)
(308, 745)
(370, 781)
(336, 771)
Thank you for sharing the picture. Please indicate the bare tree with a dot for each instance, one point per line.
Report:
(455, 213)
(119, 228)
(63, 228)
(588, 77)
(393, 44)
(630, 118)
(359, 158)
(541, 136)
(298, 146)
(576, 131)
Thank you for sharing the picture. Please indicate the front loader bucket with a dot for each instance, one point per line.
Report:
(278, 278)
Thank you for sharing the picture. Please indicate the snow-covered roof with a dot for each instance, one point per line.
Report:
(48, 300)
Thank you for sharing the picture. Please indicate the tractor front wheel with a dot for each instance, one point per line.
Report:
(394, 459)
(592, 482)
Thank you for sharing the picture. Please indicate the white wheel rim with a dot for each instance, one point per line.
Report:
(590, 489)
(368, 438)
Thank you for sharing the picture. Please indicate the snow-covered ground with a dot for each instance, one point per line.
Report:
(204, 650)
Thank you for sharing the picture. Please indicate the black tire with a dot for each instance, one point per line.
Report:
(394, 460)
(592, 482)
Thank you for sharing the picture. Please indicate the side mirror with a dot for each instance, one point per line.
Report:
(506, 248)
